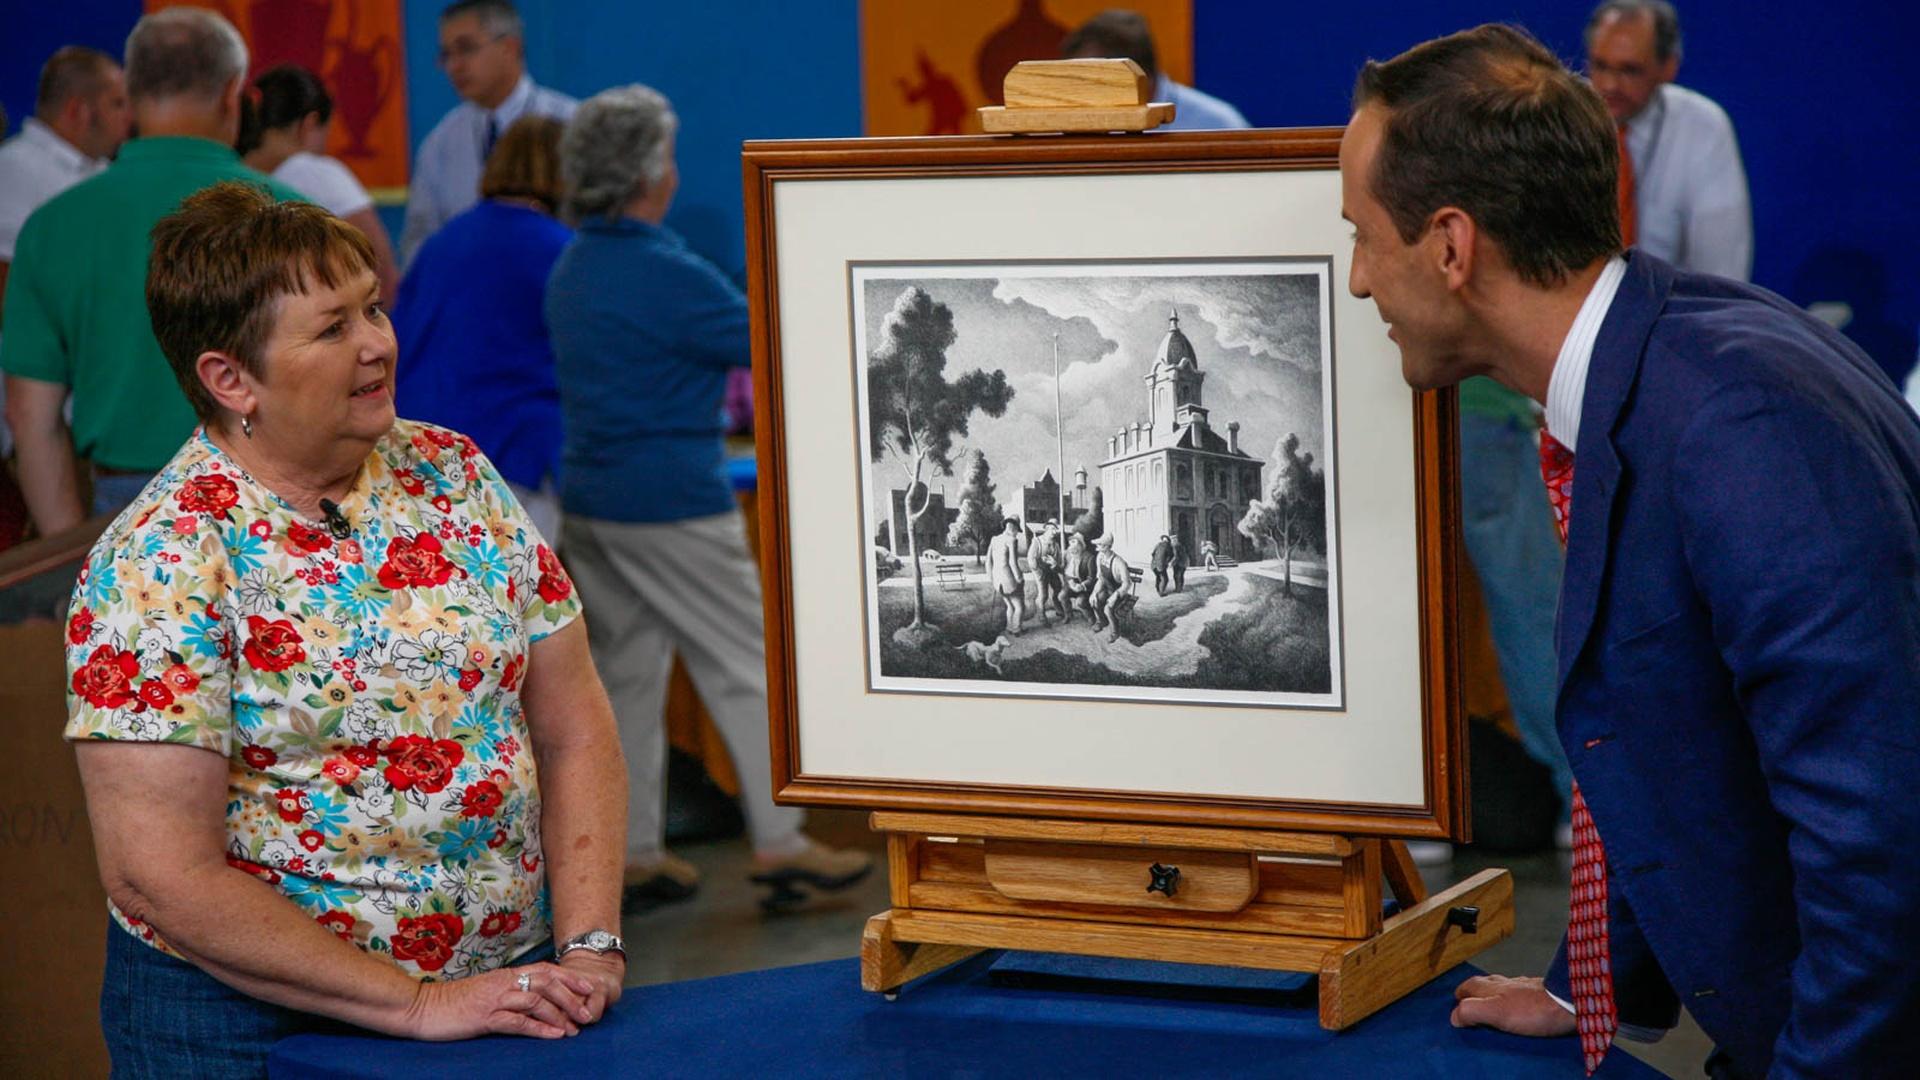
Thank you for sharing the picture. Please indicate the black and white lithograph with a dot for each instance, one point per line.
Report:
(1100, 479)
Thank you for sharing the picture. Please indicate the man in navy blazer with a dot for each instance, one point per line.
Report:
(1739, 629)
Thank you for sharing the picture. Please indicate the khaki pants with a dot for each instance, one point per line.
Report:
(691, 587)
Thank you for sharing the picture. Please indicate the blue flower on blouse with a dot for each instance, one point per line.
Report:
(361, 596)
(329, 813)
(203, 635)
(244, 550)
(101, 582)
(466, 841)
(317, 894)
(483, 718)
(487, 564)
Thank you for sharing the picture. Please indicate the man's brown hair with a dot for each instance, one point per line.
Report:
(1489, 121)
(1115, 32)
(525, 164)
(222, 263)
(73, 71)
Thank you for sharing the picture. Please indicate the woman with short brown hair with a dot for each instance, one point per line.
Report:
(332, 703)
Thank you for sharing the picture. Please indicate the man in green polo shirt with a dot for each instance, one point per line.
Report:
(76, 308)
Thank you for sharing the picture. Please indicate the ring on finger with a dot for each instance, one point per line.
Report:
(524, 982)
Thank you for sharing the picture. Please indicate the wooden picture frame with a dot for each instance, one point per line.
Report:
(820, 216)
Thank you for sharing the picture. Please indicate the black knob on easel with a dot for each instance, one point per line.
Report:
(1466, 917)
(1165, 879)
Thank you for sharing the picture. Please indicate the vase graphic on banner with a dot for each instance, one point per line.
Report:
(1100, 479)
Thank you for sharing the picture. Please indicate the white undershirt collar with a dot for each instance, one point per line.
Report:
(1567, 388)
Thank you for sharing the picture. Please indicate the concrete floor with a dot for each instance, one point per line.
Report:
(722, 930)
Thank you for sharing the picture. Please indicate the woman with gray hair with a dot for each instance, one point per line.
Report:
(644, 334)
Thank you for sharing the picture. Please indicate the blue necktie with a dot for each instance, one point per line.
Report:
(493, 136)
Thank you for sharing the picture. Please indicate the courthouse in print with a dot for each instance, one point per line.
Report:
(1172, 472)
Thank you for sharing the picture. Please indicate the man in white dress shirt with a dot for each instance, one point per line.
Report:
(483, 52)
(1690, 191)
(80, 118)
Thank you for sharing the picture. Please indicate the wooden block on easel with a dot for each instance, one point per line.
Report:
(1094, 95)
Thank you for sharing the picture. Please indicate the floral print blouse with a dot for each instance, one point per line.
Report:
(364, 689)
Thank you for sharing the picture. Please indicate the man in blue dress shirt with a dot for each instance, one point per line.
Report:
(483, 51)
(1689, 189)
(1120, 33)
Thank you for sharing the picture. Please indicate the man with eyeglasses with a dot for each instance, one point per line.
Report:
(1683, 190)
(483, 52)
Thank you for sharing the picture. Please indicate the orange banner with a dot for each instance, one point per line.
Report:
(927, 67)
(355, 46)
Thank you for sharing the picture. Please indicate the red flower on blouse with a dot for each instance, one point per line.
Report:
(409, 482)
(106, 681)
(470, 678)
(339, 922)
(428, 940)
(311, 839)
(180, 679)
(363, 756)
(500, 922)
(272, 645)
(481, 799)
(510, 675)
(307, 540)
(417, 762)
(293, 804)
(208, 493)
(258, 757)
(80, 627)
(554, 586)
(416, 562)
(340, 771)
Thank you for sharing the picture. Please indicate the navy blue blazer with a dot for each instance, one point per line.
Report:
(1739, 696)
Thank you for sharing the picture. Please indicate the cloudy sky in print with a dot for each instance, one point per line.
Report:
(1256, 329)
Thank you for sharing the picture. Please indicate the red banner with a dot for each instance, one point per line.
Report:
(927, 67)
(355, 46)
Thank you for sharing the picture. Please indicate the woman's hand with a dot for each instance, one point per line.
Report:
(605, 969)
(553, 1006)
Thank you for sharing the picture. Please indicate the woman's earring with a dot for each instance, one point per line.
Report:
(246, 426)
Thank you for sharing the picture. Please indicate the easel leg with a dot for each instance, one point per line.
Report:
(1403, 877)
(1414, 947)
(887, 964)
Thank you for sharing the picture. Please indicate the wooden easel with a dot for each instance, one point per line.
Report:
(1302, 902)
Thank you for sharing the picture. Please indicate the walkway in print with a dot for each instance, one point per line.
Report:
(1178, 653)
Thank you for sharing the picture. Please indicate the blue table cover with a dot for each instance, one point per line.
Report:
(814, 1020)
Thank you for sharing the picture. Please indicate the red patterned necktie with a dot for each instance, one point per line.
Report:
(1588, 969)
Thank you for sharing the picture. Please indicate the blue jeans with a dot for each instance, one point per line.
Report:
(164, 1018)
(113, 491)
(1508, 527)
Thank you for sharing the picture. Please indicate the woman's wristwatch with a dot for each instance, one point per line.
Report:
(597, 941)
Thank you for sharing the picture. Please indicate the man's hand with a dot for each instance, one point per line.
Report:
(606, 970)
(1515, 1006)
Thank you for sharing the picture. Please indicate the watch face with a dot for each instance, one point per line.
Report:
(600, 939)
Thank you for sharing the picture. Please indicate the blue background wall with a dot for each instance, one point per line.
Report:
(1823, 98)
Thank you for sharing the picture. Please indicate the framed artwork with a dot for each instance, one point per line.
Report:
(1088, 490)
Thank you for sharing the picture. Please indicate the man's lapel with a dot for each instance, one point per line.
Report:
(1596, 471)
